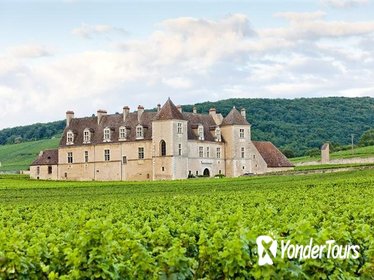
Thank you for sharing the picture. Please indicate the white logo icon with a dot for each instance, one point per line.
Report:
(264, 254)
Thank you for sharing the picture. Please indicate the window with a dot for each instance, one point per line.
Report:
(38, 170)
(124, 160)
(70, 138)
(163, 168)
(107, 134)
(70, 157)
(49, 169)
(139, 132)
(241, 133)
(122, 133)
(141, 153)
(207, 152)
(107, 155)
(197, 173)
(243, 152)
(201, 152)
(180, 149)
(201, 132)
(163, 148)
(218, 134)
(86, 136)
(85, 156)
(220, 172)
(218, 152)
(179, 128)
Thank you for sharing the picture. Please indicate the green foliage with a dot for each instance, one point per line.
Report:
(20, 156)
(367, 139)
(298, 125)
(294, 125)
(32, 132)
(341, 153)
(191, 229)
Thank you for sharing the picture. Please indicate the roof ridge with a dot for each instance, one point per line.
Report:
(169, 112)
(234, 117)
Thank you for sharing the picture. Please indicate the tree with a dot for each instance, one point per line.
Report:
(367, 138)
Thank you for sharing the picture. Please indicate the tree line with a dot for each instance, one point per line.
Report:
(297, 126)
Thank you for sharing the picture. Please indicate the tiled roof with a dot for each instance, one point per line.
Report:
(48, 157)
(169, 112)
(272, 156)
(114, 122)
(234, 118)
(194, 120)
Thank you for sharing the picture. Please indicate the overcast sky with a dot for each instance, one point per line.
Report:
(83, 56)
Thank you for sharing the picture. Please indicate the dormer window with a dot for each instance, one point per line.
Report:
(107, 134)
(86, 136)
(218, 134)
(122, 133)
(201, 132)
(139, 132)
(70, 138)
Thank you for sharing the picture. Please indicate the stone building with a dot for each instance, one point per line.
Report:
(163, 145)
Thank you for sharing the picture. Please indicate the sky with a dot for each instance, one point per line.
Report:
(83, 56)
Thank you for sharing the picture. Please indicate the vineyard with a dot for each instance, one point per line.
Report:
(191, 229)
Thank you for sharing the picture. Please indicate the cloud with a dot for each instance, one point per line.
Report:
(87, 31)
(341, 4)
(312, 26)
(30, 51)
(193, 60)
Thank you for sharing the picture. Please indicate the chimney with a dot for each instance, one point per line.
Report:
(242, 111)
(212, 112)
(158, 107)
(140, 112)
(179, 107)
(126, 111)
(194, 110)
(69, 117)
(100, 114)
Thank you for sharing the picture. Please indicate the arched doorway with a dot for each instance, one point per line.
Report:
(206, 172)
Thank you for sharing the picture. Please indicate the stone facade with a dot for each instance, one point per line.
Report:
(325, 153)
(164, 145)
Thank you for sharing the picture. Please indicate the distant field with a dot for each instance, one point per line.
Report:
(19, 156)
(190, 229)
(363, 152)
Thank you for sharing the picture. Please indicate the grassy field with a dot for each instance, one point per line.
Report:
(362, 152)
(190, 229)
(19, 156)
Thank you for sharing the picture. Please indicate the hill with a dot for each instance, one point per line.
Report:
(20, 156)
(294, 125)
(358, 152)
(298, 125)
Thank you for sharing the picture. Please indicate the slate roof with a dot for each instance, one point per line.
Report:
(169, 112)
(234, 118)
(272, 156)
(48, 157)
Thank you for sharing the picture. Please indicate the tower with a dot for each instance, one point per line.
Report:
(169, 142)
(237, 134)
